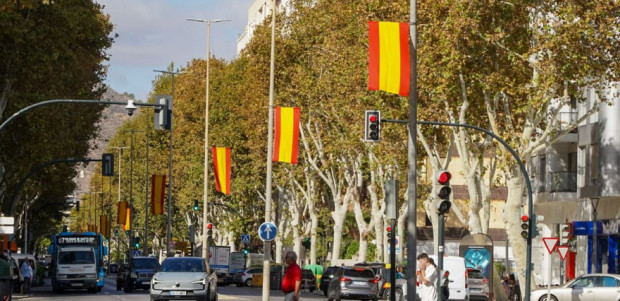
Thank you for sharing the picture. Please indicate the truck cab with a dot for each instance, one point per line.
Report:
(76, 269)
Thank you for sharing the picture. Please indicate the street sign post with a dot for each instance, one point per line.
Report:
(550, 243)
(245, 239)
(135, 253)
(267, 231)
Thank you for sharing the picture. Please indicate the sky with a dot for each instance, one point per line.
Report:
(155, 33)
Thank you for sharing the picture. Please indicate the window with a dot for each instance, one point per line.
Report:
(363, 273)
(581, 166)
(584, 282)
(610, 282)
(593, 163)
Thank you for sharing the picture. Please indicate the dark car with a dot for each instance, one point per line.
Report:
(113, 268)
(308, 280)
(353, 283)
(183, 278)
(326, 277)
(137, 274)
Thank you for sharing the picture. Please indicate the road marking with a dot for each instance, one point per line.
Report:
(224, 297)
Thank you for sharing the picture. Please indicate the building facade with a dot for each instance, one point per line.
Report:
(577, 181)
(258, 11)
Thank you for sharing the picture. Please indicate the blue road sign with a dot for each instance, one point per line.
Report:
(267, 231)
(135, 253)
(245, 239)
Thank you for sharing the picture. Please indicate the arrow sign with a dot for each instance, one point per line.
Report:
(267, 231)
(563, 250)
(550, 243)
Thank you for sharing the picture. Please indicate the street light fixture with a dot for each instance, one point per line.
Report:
(205, 242)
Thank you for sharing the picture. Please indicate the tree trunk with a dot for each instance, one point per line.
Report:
(338, 216)
(512, 212)
(313, 227)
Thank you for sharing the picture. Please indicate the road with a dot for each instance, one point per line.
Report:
(109, 292)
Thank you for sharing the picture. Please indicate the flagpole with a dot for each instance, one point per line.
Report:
(267, 248)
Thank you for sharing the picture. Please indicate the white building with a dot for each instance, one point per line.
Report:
(572, 176)
(258, 11)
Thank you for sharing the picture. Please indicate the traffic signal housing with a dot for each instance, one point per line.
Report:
(163, 115)
(77, 206)
(525, 226)
(196, 205)
(107, 165)
(372, 126)
(390, 236)
(306, 243)
(137, 241)
(443, 193)
(209, 229)
(245, 251)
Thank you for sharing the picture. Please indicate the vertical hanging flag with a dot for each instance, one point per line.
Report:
(388, 57)
(127, 225)
(158, 188)
(287, 134)
(121, 216)
(221, 169)
(104, 226)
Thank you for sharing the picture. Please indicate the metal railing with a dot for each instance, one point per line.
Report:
(562, 181)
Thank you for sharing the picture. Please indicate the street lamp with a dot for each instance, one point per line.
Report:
(205, 247)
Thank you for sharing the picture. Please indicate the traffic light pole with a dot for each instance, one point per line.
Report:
(393, 260)
(442, 224)
(530, 202)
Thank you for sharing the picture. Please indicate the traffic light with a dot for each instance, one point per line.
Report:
(107, 165)
(77, 206)
(209, 229)
(538, 219)
(137, 241)
(444, 191)
(196, 205)
(567, 238)
(525, 226)
(388, 230)
(306, 243)
(245, 251)
(163, 116)
(372, 126)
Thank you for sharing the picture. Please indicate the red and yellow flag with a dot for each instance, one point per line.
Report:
(127, 225)
(388, 57)
(104, 226)
(221, 169)
(121, 216)
(158, 189)
(287, 134)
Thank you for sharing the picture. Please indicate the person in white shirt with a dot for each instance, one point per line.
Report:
(427, 278)
(27, 274)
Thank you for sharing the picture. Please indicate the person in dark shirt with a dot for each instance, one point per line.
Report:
(291, 282)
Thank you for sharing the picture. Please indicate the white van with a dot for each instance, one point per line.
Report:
(458, 277)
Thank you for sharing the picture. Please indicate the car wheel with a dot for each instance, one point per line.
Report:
(99, 288)
(153, 298)
(325, 293)
(248, 282)
(544, 298)
(399, 294)
(127, 288)
(118, 286)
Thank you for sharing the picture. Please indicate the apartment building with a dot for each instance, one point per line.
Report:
(258, 11)
(577, 181)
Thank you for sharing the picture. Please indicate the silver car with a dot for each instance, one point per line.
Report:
(184, 278)
(591, 287)
(353, 283)
(478, 285)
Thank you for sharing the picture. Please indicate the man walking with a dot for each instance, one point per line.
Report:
(291, 282)
(27, 274)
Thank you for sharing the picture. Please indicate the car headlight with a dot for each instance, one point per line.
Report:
(134, 275)
(155, 281)
(201, 281)
(61, 276)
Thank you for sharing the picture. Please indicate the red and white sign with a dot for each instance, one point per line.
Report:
(550, 243)
(563, 250)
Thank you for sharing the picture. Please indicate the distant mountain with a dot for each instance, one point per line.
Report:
(112, 118)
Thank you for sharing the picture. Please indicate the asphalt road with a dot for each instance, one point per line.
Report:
(109, 292)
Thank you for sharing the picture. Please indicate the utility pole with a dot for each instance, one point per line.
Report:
(146, 192)
(412, 175)
(131, 210)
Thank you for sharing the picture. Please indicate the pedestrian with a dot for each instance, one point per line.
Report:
(27, 274)
(428, 278)
(291, 282)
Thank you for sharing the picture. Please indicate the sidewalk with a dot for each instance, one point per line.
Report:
(44, 289)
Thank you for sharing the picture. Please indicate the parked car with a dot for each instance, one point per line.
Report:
(478, 285)
(113, 268)
(184, 278)
(137, 274)
(385, 287)
(245, 277)
(308, 280)
(584, 288)
(326, 277)
(353, 283)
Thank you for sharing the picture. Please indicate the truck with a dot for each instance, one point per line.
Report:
(219, 260)
(77, 261)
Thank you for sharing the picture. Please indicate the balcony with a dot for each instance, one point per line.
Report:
(562, 181)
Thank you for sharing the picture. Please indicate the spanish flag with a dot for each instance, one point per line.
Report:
(221, 168)
(158, 189)
(287, 134)
(121, 216)
(388, 57)
(127, 225)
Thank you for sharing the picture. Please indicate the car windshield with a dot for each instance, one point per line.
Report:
(145, 263)
(475, 274)
(76, 257)
(363, 273)
(182, 265)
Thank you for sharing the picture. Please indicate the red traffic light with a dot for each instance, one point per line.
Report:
(209, 226)
(525, 218)
(373, 118)
(444, 177)
(389, 229)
